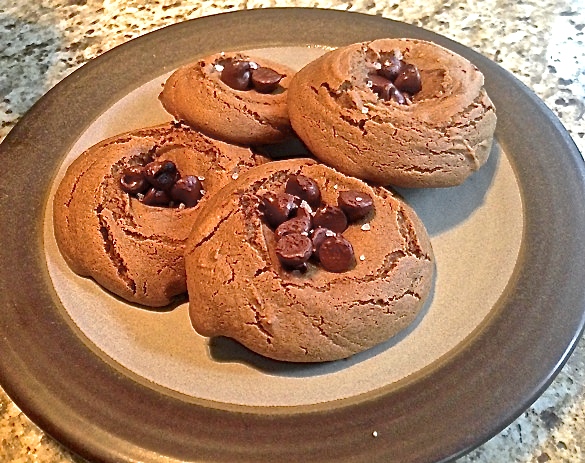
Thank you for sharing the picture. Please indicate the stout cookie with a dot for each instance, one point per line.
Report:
(126, 206)
(299, 262)
(232, 97)
(394, 111)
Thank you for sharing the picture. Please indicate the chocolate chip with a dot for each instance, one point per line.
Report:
(305, 213)
(355, 204)
(305, 188)
(236, 74)
(294, 250)
(318, 235)
(380, 85)
(132, 180)
(391, 67)
(162, 175)
(396, 95)
(385, 89)
(331, 217)
(265, 80)
(277, 208)
(336, 254)
(187, 191)
(300, 224)
(154, 197)
(408, 80)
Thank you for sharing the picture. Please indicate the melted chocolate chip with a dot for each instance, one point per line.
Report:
(236, 74)
(299, 234)
(408, 80)
(355, 204)
(159, 183)
(154, 197)
(395, 80)
(380, 85)
(391, 67)
(331, 217)
(162, 175)
(396, 95)
(265, 80)
(294, 250)
(336, 254)
(132, 180)
(318, 235)
(385, 89)
(305, 188)
(187, 191)
(278, 207)
(304, 212)
(300, 224)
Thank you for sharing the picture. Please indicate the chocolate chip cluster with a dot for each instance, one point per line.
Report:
(394, 79)
(159, 183)
(305, 228)
(241, 74)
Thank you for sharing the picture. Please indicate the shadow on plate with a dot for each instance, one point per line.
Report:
(292, 147)
(441, 209)
(227, 350)
(177, 300)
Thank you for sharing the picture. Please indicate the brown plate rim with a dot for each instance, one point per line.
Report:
(452, 406)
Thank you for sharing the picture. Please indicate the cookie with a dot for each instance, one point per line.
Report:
(232, 97)
(122, 213)
(301, 263)
(403, 112)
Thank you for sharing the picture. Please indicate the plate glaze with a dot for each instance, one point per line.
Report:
(61, 366)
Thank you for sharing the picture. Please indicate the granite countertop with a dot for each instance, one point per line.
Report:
(539, 41)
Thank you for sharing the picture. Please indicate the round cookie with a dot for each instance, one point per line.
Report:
(132, 248)
(346, 109)
(240, 286)
(202, 94)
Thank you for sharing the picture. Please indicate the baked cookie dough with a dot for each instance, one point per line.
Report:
(248, 283)
(233, 97)
(434, 134)
(132, 244)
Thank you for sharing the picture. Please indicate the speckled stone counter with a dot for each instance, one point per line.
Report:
(539, 41)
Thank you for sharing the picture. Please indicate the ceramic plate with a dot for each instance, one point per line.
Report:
(116, 382)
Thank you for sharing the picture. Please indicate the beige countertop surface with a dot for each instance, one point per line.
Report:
(539, 41)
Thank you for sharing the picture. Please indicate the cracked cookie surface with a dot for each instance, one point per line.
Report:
(239, 289)
(196, 95)
(438, 139)
(133, 249)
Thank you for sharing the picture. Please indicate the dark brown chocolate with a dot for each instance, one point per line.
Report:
(294, 250)
(296, 227)
(355, 204)
(236, 74)
(336, 254)
(241, 74)
(408, 80)
(159, 183)
(299, 224)
(132, 180)
(331, 217)
(305, 188)
(188, 191)
(265, 80)
(277, 208)
(162, 175)
(395, 79)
